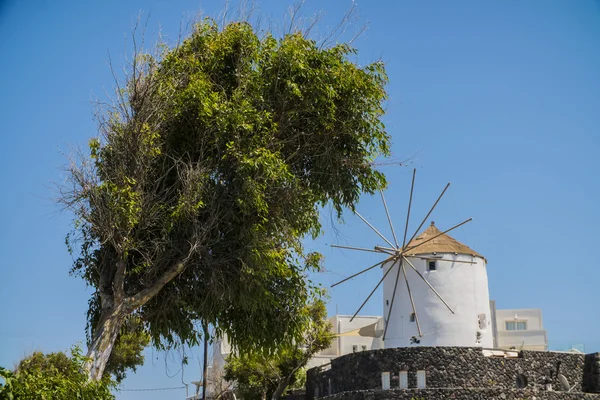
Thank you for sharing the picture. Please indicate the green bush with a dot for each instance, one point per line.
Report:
(54, 376)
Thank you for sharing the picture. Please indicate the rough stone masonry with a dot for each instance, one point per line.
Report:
(457, 372)
(591, 373)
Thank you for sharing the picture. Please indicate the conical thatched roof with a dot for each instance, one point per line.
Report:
(441, 244)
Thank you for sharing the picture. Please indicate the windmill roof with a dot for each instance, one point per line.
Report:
(441, 244)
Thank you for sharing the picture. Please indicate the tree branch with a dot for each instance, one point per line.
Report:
(145, 295)
(119, 281)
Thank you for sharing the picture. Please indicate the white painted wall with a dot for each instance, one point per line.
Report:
(534, 338)
(464, 286)
(342, 345)
(346, 343)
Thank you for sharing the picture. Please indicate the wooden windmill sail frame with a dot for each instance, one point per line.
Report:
(396, 253)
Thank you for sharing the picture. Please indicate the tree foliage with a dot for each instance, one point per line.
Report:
(210, 168)
(260, 375)
(54, 376)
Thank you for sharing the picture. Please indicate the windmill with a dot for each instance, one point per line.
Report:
(446, 299)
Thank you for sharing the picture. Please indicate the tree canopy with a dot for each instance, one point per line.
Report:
(53, 376)
(210, 168)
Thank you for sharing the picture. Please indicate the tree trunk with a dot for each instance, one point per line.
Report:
(116, 310)
(283, 384)
(105, 335)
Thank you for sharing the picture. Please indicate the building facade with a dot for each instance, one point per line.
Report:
(520, 329)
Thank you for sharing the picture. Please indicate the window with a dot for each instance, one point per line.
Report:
(354, 348)
(363, 347)
(403, 380)
(431, 265)
(385, 380)
(516, 325)
(412, 317)
(421, 379)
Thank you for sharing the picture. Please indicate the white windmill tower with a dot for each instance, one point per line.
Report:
(435, 289)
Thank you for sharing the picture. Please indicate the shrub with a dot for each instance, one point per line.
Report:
(53, 376)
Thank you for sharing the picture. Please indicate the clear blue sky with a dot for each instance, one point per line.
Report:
(501, 98)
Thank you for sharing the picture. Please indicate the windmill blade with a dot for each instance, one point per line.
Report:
(381, 248)
(363, 271)
(429, 284)
(412, 186)
(367, 299)
(386, 250)
(372, 227)
(392, 302)
(438, 235)
(429, 213)
(412, 302)
(357, 248)
(389, 218)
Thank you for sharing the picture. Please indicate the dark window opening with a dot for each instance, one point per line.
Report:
(431, 266)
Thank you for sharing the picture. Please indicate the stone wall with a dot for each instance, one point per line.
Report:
(591, 373)
(446, 367)
(460, 394)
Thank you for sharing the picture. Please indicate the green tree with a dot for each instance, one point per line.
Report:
(258, 375)
(209, 170)
(53, 376)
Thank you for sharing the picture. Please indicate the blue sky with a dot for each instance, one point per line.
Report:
(502, 99)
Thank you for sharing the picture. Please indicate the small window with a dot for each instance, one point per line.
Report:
(403, 380)
(354, 348)
(421, 379)
(363, 347)
(516, 325)
(431, 265)
(412, 317)
(385, 380)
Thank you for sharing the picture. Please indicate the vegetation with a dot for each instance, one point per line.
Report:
(53, 376)
(209, 170)
(259, 375)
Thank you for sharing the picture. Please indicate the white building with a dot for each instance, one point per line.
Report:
(520, 329)
(459, 275)
(363, 333)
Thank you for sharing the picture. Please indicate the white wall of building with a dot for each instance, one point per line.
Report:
(521, 329)
(346, 344)
(462, 282)
(342, 345)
